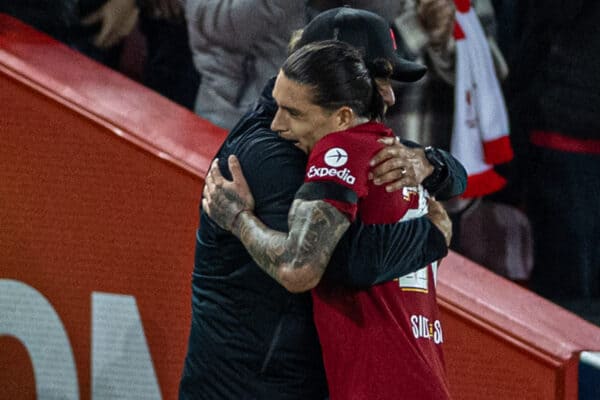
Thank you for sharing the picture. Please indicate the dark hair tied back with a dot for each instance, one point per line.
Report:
(380, 68)
(339, 76)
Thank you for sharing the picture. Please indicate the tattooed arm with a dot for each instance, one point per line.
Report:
(296, 259)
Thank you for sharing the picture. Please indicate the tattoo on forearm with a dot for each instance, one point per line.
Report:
(298, 258)
(224, 215)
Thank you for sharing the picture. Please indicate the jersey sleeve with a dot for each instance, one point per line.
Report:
(337, 172)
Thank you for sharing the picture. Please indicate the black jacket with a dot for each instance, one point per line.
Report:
(250, 338)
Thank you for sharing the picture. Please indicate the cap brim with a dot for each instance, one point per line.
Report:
(407, 71)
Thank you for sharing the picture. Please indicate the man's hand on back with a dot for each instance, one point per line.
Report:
(225, 200)
(439, 217)
(398, 166)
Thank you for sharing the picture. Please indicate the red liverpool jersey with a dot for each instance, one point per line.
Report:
(384, 342)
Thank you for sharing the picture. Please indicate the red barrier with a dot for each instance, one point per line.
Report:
(99, 187)
(503, 341)
(100, 181)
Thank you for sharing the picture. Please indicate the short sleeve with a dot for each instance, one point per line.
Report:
(337, 165)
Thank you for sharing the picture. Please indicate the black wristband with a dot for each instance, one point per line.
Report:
(440, 171)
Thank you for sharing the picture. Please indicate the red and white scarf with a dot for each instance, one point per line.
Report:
(480, 132)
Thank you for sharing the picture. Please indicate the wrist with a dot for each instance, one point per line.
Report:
(439, 170)
(236, 222)
(428, 167)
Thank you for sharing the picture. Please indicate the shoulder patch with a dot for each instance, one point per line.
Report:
(336, 157)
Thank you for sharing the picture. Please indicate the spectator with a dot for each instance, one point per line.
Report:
(425, 27)
(554, 98)
(238, 45)
(168, 67)
(94, 27)
(424, 113)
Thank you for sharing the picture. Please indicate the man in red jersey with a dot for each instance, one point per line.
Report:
(380, 343)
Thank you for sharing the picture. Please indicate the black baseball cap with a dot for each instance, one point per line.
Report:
(366, 31)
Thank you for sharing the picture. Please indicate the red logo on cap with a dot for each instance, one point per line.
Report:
(393, 38)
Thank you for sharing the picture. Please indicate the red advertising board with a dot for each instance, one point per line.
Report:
(101, 180)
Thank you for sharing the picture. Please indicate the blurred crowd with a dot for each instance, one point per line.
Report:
(541, 229)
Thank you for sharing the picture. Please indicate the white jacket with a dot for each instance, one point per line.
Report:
(237, 45)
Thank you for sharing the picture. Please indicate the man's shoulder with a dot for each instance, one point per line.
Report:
(351, 136)
(271, 165)
(256, 143)
(253, 130)
(351, 144)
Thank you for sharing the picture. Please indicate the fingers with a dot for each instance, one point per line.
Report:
(209, 181)
(388, 140)
(209, 187)
(117, 29)
(393, 148)
(397, 179)
(436, 11)
(92, 18)
(117, 18)
(399, 184)
(437, 17)
(394, 166)
(236, 169)
(439, 217)
(239, 184)
(212, 201)
(205, 206)
(129, 24)
(102, 39)
(215, 171)
(397, 161)
(388, 171)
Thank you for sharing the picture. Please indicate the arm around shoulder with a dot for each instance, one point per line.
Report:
(371, 254)
(296, 259)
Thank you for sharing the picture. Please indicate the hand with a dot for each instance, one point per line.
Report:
(225, 200)
(399, 166)
(437, 18)
(117, 19)
(439, 217)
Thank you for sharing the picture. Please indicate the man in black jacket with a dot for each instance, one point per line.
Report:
(554, 99)
(252, 339)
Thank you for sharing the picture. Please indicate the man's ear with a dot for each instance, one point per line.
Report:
(345, 117)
